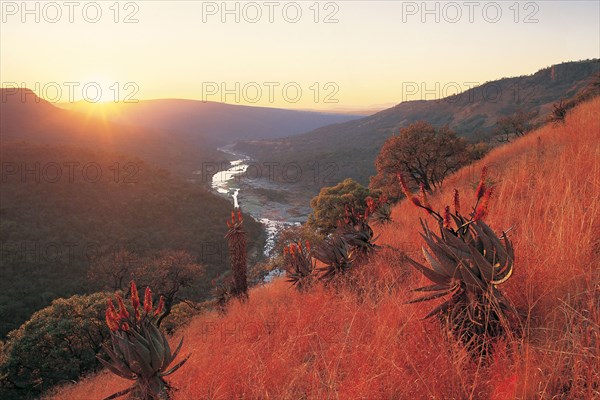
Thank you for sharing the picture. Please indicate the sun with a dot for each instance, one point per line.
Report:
(100, 89)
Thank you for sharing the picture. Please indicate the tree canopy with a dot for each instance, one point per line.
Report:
(57, 345)
(425, 154)
(331, 203)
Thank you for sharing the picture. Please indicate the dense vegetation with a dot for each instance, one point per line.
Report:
(56, 345)
(56, 225)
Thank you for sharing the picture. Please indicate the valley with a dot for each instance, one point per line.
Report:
(269, 202)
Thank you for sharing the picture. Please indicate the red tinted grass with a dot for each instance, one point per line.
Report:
(282, 344)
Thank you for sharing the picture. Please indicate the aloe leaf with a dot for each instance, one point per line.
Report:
(116, 370)
(456, 242)
(440, 263)
(469, 277)
(176, 352)
(486, 270)
(119, 394)
(139, 337)
(500, 250)
(155, 351)
(446, 259)
(430, 274)
(161, 344)
(504, 276)
(111, 353)
(177, 366)
(142, 356)
(429, 297)
(440, 309)
(437, 267)
(431, 288)
(168, 356)
(487, 244)
(131, 357)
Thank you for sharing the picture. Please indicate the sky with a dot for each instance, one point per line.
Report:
(326, 55)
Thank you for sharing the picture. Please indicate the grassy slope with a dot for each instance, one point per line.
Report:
(283, 344)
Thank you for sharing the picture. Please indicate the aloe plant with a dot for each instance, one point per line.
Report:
(139, 351)
(337, 255)
(357, 233)
(382, 214)
(236, 240)
(299, 265)
(468, 262)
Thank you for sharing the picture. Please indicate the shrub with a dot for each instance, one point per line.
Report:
(58, 344)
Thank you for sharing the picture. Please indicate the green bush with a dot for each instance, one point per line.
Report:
(57, 345)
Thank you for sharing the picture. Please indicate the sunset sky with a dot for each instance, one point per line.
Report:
(364, 56)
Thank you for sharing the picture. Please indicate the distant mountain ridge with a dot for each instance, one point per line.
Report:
(352, 146)
(26, 117)
(215, 123)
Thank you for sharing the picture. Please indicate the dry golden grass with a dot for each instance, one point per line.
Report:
(366, 343)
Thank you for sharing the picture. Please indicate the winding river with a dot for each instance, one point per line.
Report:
(232, 181)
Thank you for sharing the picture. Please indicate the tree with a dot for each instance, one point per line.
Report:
(57, 345)
(517, 124)
(425, 154)
(330, 205)
(168, 274)
(114, 271)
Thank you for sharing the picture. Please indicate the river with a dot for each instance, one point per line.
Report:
(248, 193)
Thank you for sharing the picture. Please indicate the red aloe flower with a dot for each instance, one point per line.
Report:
(404, 186)
(482, 208)
(135, 297)
(308, 246)
(113, 325)
(447, 219)
(111, 306)
(123, 313)
(148, 300)
(481, 189)
(161, 306)
(112, 319)
(456, 202)
(125, 327)
(240, 219)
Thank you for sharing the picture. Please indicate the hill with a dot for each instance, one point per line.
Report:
(370, 344)
(349, 149)
(207, 122)
(62, 207)
(25, 116)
